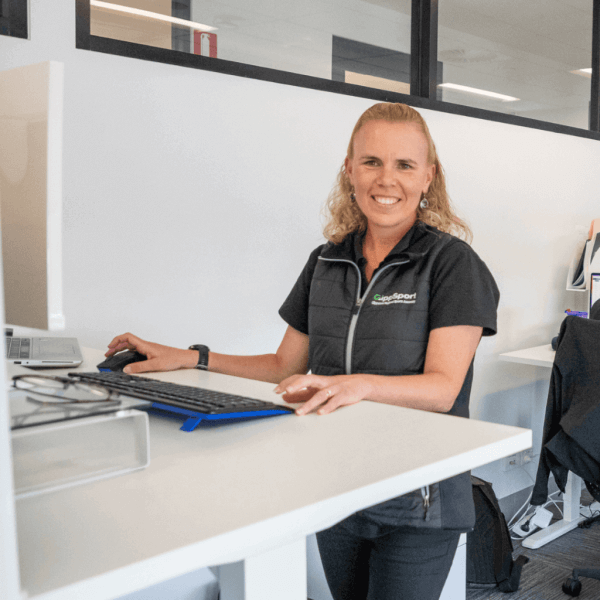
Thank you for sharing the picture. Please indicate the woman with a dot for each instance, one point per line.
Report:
(391, 310)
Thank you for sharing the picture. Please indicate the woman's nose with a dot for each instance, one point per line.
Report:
(386, 176)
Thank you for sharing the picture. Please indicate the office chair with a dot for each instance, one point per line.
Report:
(572, 421)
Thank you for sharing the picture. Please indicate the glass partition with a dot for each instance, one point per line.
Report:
(531, 59)
(525, 63)
(364, 42)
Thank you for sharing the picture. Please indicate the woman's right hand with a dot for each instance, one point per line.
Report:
(159, 357)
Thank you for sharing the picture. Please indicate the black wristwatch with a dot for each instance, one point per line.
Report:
(203, 358)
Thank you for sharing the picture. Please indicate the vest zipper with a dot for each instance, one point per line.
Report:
(359, 304)
(425, 494)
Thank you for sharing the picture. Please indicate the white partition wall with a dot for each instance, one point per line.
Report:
(9, 563)
(31, 217)
(31, 126)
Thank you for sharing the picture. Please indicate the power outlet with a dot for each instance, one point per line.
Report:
(510, 462)
(515, 461)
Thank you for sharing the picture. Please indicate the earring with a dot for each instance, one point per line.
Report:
(424, 203)
(353, 197)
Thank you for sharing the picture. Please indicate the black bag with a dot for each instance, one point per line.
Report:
(489, 547)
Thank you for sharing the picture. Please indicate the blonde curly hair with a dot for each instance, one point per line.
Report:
(343, 214)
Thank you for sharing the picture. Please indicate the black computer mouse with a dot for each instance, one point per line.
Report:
(118, 361)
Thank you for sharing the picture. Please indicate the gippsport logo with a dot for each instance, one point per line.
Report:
(394, 299)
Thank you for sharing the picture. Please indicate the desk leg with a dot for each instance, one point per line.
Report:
(571, 518)
(455, 587)
(279, 574)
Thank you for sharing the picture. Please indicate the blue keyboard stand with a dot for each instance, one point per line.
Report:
(194, 419)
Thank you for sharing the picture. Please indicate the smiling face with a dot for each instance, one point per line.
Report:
(390, 172)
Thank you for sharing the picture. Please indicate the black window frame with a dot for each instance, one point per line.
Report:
(424, 33)
(17, 19)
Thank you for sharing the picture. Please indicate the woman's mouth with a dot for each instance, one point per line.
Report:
(385, 199)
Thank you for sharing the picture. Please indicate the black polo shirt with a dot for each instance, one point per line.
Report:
(463, 289)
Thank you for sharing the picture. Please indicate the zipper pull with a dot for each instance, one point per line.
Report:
(425, 493)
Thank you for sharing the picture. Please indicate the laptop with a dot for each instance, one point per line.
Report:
(44, 352)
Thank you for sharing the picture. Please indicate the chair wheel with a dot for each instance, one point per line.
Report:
(572, 587)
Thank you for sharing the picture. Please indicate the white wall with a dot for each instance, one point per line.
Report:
(192, 200)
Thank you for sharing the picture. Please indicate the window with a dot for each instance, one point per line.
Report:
(526, 63)
(317, 38)
(525, 58)
(13, 18)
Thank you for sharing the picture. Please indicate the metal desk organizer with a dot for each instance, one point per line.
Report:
(55, 447)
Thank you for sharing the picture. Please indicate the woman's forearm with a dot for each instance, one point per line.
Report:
(431, 391)
(291, 358)
(262, 367)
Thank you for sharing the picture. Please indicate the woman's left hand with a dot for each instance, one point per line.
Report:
(328, 393)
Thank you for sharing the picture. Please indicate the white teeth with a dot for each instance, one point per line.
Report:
(385, 200)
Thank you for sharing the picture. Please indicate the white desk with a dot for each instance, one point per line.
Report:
(246, 493)
(540, 356)
(543, 356)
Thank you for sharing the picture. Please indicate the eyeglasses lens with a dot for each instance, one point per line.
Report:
(62, 392)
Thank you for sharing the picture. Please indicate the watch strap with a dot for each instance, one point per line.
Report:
(203, 358)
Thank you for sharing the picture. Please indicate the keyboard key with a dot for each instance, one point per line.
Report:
(18, 348)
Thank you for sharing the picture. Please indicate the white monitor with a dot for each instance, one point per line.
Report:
(31, 110)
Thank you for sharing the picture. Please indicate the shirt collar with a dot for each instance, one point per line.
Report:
(399, 248)
(416, 242)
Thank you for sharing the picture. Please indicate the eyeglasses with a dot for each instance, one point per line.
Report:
(63, 390)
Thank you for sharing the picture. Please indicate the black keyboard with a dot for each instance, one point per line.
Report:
(199, 400)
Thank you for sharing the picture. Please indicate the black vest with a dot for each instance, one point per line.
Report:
(382, 328)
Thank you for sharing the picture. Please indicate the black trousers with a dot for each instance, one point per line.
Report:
(407, 564)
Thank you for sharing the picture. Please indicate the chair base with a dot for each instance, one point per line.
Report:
(572, 586)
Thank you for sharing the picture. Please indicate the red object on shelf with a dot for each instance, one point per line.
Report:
(205, 43)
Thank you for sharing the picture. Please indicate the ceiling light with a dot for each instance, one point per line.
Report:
(471, 90)
(584, 72)
(151, 15)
